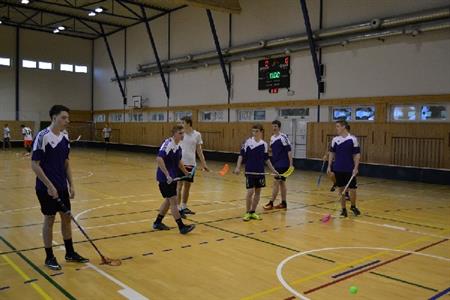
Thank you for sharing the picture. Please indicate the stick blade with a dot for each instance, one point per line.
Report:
(288, 172)
(111, 261)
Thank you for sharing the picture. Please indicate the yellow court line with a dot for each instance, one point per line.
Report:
(16, 268)
(337, 268)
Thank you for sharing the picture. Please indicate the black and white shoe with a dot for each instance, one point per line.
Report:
(344, 213)
(333, 188)
(355, 211)
(52, 264)
(182, 214)
(187, 228)
(75, 257)
(187, 211)
(160, 226)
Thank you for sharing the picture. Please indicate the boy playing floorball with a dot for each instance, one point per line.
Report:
(50, 163)
(169, 162)
(254, 154)
(282, 161)
(345, 152)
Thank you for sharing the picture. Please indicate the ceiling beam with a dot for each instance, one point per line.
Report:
(49, 11)
(81, 35)
(228, 6)
(82, 10)
(139, 3)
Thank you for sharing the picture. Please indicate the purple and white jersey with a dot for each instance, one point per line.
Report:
(51, 151)
(344, 148)
(171, 153)
(254, 155)
(280, 146)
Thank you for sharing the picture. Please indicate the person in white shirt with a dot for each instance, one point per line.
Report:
(6, 137)
(27, 138)
(190, 145)
(107, 133)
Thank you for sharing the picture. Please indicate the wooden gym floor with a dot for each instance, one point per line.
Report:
(403, 253)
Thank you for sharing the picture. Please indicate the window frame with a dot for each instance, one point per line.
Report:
(9, 62)
(28, 67)
(64, 64)
(44, 62)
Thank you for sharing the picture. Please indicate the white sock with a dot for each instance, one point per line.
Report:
(183, 205)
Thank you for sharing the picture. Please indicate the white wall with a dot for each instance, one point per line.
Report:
(7, 74)
(40, 89)
(400, 66)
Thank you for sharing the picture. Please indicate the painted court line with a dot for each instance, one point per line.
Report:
(355, 269)
(126, 291)
(406, 253)
(439, 295)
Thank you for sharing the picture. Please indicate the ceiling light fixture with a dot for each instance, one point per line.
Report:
(92, 14)
(56, 30)
(61, 27)
(25, 1)
(99, 10)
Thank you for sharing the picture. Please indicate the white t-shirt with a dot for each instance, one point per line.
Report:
(26, 132)
(107, 132)
(6, 132)
(189, 147)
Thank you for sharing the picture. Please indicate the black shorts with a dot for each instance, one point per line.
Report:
(49, 206)
(181, 174)
(168, 190)
(281, 171)
(6, 140)
(342, 179)
(106, 140)
(255, 182)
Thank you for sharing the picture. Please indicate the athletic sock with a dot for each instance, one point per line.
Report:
(69, 246)
(179, 223)
(251, 212)
(283, 202)
(159, 219)
(49, 252)
(183, 206)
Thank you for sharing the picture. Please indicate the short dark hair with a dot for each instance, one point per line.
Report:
(276, 122)
(258, 126)
(22, 126)
(187, 119)
(177, 128)
(343, 123)
(57, 109)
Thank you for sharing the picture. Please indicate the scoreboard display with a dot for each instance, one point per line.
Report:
(274, 73)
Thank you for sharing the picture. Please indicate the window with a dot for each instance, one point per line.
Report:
(157, 117)
(45, 65)
(342, 113)
(251, 115)
(212, 116)
(66, 68)
(259, 115)
(181, 114)
(245, 115)
(29, 64)
(294, 112)
(99, 118)
(116, 117)
(81, 69)
(433, 112)
(404, 113)
(365, 113)
(136, 117)
(4, 61)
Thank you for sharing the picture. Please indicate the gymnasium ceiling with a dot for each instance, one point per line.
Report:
(73, 15)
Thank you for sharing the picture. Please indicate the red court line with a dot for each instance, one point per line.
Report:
(371, 268)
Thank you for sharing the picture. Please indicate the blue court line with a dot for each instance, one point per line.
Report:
(355, 269)
(440, 294)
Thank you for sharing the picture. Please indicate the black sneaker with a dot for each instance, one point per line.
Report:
(344, 213)
(355, 210)
(187, 228)
(182, 214)
(160, 226)
(333, 188)
(52, 264)
(187, 211)
(75, 257)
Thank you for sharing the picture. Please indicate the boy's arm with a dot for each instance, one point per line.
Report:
(238, 165)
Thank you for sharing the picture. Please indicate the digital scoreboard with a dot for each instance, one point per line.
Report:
(274, 73)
